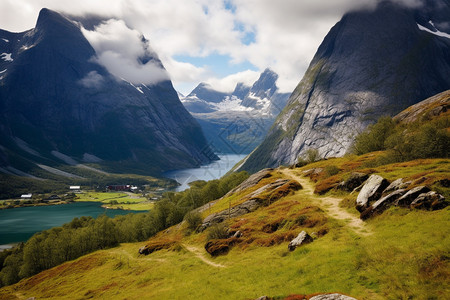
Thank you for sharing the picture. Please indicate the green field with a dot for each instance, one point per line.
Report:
(117, 200)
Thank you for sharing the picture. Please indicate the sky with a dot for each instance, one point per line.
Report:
(213, 41)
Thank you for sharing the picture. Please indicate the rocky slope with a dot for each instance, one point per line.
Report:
(59, 106)
(371, 63)
(236, 122)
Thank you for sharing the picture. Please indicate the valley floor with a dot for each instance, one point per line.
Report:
(401, 254)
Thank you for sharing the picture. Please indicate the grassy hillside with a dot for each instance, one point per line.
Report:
(400, 254)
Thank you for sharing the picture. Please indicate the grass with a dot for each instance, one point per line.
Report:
(406, 256)
(406, 259)
(119, 200)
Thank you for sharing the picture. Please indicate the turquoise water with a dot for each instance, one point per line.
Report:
(19, 224)
(211, 171)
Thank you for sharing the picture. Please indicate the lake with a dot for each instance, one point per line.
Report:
(19, 224)
(211, 171)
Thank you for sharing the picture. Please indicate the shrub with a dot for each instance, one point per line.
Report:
(312, 155)
(217, 231)
(373, 139)
(331, 170)
(193, 220)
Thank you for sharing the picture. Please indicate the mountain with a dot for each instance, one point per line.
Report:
(58, 106)
(371, 63)
(236, 122)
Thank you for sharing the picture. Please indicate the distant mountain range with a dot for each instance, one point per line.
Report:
(236, 122)
(372, 63)
(59, 107)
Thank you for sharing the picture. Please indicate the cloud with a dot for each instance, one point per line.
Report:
(285, 34)
(123, 51)
(228, 83)
(92, 80)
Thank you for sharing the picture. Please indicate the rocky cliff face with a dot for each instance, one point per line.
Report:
(56, 102)
(371, 63)
(237, 122)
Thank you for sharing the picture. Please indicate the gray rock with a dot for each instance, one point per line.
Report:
(430, 201)
(301, 239)
(411, 195)
(396, 185)
(251, 181)
(371, 191)
(382, 204)
(263, 298)
(354, 181)
(334, 296)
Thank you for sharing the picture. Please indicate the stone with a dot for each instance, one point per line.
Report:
(251, 181)
(371, 191)
(382, 204)
(411, 195)
(396, 185)
(301, 239)
(354, 181)
(430, 201)
(334, 296)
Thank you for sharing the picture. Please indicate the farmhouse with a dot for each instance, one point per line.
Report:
(26, 196)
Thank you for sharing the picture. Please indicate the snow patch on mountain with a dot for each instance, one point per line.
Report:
(5, 40)
(232, 103)
(436, 32)
(6, 56)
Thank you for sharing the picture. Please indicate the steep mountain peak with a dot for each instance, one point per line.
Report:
(52, 22)
(371, 63)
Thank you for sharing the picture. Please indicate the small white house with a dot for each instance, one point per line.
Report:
(26, 196)
(75, 187)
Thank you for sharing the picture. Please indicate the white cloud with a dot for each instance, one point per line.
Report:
(120, 50)
(92, 80)
(287, 32)
(228, 83)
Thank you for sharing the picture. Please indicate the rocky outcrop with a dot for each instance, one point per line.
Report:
(251, 181)
(263, 196)
(382, 204)
(371, 190)
(396, 185)
(429, 201)
(302, 239)
(354, 181)
(349, 85)
(412, 194)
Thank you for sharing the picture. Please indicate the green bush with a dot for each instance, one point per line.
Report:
(331, 170)
(193, 220)
(373, 139)
(217, 231)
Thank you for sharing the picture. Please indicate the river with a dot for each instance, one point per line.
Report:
(211, 171)
(19, 224)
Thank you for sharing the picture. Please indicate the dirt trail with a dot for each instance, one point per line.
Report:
(330, 204)
(197, 252)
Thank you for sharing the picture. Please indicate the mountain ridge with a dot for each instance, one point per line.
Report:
(80, 109)
(371, 63)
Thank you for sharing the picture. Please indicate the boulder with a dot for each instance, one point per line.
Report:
(355, 180)
(396, 185)
(371, 191)
(301, 239)
(382, 204)
(251, 181)
(334, 296)
(429, 201)
(411, 195)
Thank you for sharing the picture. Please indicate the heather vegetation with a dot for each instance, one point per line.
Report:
(84, 235)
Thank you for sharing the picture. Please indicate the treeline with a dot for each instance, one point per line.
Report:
(403, 142)
(83, 235)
